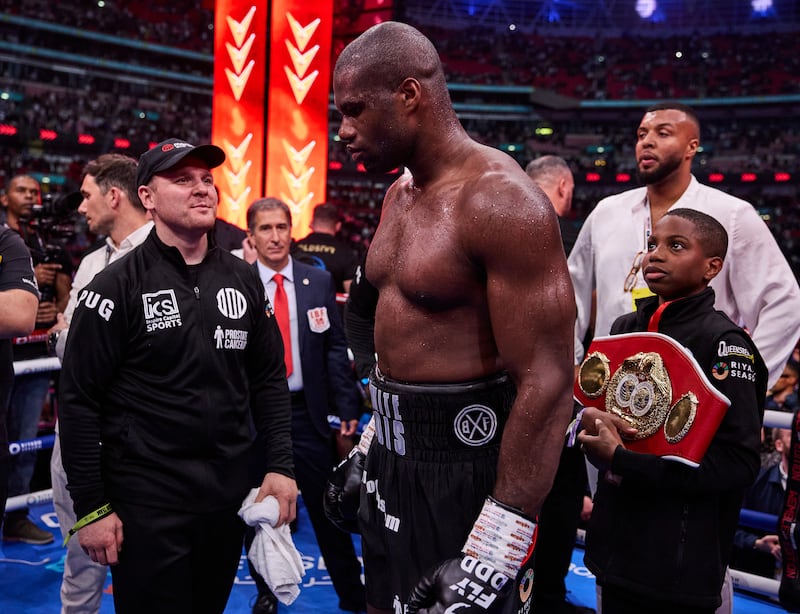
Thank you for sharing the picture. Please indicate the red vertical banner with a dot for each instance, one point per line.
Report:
(299, 86)
(240, 69)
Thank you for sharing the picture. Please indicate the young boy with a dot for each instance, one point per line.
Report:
(661, 532)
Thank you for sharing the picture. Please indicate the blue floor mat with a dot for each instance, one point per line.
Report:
(30, 578)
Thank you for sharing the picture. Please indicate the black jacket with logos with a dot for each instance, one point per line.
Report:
(170, 367)
(666, 531)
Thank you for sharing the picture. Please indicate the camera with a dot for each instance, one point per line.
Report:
(53, 218)
(53, 221)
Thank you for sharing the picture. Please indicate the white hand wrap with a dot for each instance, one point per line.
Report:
(501, 537)
(366, 436)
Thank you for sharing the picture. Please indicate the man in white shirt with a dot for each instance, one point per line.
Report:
(756, 287)
(112, 208)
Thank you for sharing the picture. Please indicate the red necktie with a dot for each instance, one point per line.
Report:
(282, 316)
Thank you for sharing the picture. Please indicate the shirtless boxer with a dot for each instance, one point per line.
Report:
(472, 389)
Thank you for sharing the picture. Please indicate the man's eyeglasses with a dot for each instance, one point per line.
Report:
(630, 280)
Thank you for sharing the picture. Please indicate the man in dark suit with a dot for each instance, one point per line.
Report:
(320, 380)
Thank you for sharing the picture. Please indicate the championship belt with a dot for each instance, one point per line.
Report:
(655, 384)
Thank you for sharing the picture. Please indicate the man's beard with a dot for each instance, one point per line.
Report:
(660, 172)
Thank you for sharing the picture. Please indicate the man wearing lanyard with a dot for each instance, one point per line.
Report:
(756, 287)
(304, 302)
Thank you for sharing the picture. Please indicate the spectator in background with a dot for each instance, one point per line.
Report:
(553, 175)
(561, 510)
(323, 246)
(53, 271)
(781, 397)
(19, 301)
(759, 552)
(783, 394)
(321, 383)
(112, 209)
(228, 236)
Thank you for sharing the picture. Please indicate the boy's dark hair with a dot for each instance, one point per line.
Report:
(713, 234)
(676, 106)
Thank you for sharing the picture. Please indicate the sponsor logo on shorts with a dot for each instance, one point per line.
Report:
(720, 370)
(231, 303)
(389, 428)
(475, 425)
(390, 521)
(92, 300)
(161, 310)
(526, 586)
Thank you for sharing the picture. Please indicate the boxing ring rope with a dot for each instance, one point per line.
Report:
(760, 585)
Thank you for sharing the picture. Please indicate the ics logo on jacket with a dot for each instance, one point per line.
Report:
(161, 310)
(231, 303)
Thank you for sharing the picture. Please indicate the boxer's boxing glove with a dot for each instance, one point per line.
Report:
(482, 577)
(343, 490)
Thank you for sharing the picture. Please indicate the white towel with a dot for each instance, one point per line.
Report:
(272, 552)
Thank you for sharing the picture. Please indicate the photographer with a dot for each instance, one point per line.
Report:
(53, 271)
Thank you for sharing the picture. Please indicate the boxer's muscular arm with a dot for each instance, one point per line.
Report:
(532, 311)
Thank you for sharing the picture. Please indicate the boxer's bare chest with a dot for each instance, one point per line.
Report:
(419, 251)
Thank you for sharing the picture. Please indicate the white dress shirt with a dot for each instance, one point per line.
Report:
(756, 287)
(295, 380)
(91, 264)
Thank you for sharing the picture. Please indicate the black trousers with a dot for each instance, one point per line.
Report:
(618, 601)
(558, 522)
(313, 463)
(175, 561)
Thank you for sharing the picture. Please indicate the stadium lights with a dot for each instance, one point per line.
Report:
(762, 7)
(646, 8)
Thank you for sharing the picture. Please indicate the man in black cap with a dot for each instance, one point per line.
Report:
(171, 362)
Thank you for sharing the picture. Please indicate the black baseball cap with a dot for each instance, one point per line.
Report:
(168, 153)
